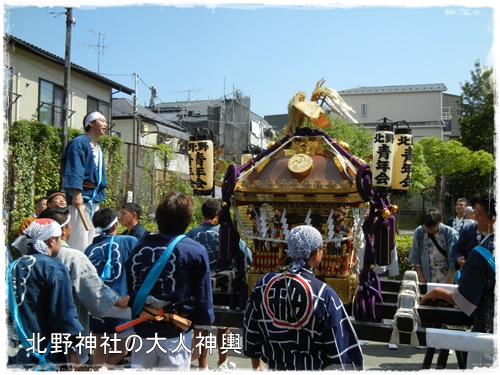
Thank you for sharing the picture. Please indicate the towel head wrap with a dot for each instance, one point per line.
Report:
(36, 234)
(303, 241)
(92, 117)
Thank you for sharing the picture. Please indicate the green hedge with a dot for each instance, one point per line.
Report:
(403, 244)
(34, 167)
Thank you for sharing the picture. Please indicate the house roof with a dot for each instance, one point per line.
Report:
(198, 109)
(123, 108)
(18, 43)
(396, 88)
(256, 118)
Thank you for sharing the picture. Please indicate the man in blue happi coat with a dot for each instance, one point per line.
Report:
(294, 321)
(85, 177)
(185, 274)
(207, 234)
(44, 326)
(108, 253)
(90, 294)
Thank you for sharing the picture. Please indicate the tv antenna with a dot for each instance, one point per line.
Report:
(188, 96)
(99, 47)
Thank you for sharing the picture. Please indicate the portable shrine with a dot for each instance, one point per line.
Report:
(305, 178)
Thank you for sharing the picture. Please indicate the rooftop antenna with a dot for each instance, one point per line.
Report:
(99, 47)
(188, 97)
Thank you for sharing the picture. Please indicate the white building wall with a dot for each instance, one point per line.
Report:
(257, 137)
(125, 128)
(396, 106)
(180, 164)
(421, 131)
(256, 133)
(28, 69)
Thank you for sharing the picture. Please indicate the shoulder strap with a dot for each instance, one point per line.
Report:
(147, 285)
(106, 272)
(438, 246)
(486, 255)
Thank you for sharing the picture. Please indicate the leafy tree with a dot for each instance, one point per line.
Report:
(477, 126)
(421, 175)
(356, 136)
(444, 160)
(472, 183)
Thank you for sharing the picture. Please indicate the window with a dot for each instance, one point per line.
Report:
(94, 104)
(50, 104)
(364, 110)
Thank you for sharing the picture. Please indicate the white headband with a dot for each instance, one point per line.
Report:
(66, 222)
(92, 117)
(100, 230)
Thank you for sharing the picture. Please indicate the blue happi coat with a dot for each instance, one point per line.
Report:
(475, 294)
(207, 234)
(468, 238)
(316, 334)
(186, 274)
(43, 291)
(78, 166)
(98, 253)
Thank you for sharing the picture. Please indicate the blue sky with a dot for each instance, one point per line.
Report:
(267, 52)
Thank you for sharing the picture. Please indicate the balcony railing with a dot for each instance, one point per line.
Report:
(446, 113)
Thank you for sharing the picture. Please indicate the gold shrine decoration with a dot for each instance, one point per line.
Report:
(403, 158)
(383, 154)
(300, 165)
(299, 109)
(245, 158)
(201, 166)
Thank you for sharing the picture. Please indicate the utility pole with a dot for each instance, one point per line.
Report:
(136, 139)
(67, 72)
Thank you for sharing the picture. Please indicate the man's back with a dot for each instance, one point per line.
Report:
(98, 253)
(207, 234)
(42, 289)
(185, 274)
(306, 325)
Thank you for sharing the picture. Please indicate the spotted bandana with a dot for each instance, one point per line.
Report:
(36, 234)
(303, 241)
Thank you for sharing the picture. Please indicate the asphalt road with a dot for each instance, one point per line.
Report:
(377, 357)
